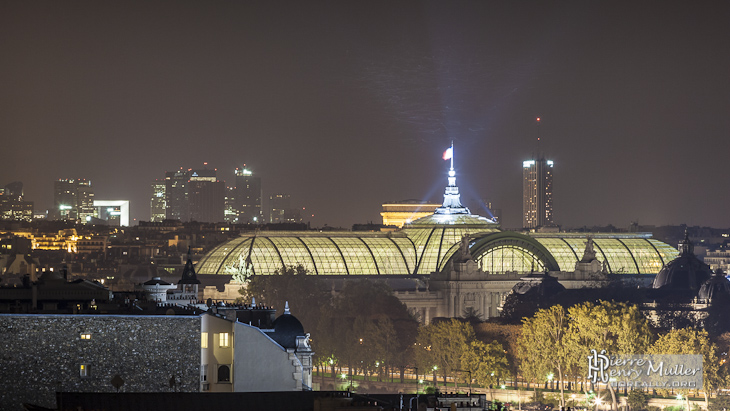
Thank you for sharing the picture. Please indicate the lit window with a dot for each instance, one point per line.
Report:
(83, 371)
(85, 336)
(203, 340)
(224, 342)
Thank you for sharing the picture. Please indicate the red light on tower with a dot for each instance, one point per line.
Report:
(538, 119)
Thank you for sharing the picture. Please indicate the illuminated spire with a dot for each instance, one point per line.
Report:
(452, 203)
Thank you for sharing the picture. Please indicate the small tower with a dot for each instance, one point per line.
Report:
(189, 282)
(452, 202)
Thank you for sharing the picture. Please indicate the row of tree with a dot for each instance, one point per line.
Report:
(558, 341)
(366, 329)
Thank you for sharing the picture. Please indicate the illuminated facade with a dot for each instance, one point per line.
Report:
(176, 195)
(537, 193)
(115, 212)
(468, 261)
(281, 210)
(247, 197)
(157, 202)
(12, 205)
(73, 199)
(404, 212)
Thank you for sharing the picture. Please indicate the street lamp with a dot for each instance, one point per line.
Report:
(550, 379)
(572, 398)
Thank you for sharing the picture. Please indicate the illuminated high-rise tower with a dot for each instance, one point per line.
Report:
(157, 202)
(537, 193)
(73, 199)
(247, 196)
(176, 195)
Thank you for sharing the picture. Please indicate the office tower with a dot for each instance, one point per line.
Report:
(281, 210)
(113, 212)
(248, 196)
(73, 199)
(176, 195)
(279, 203)
(12, 206)
(537, 193)
(230, 213)
(206, 196)
(157, 201)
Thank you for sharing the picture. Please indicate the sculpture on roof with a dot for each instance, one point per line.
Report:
(589, 254)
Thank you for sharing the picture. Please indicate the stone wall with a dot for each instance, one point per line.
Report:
(42, 354)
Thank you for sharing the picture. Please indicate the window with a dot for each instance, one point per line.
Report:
(84, 370)
(203, 340)
(224, 373)
(204, 373)
(224, 341)
(85, 336)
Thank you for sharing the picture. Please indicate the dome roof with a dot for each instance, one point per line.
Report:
(286, 329)
(539, 285)
(452, 219)
(715, 286)
(685, 273)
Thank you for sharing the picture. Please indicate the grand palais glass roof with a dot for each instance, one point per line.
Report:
(426, 246)
(424, 249)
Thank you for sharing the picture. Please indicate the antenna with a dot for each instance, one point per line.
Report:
(537, 143)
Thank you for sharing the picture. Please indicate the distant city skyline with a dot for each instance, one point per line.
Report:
(346, 106)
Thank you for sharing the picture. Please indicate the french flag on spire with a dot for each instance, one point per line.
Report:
(449, 153)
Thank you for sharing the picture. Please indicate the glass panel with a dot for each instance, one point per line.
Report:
(562, 252)
(646, 256)
(387, 255)
(509, 259)
(620, 260)
(357, 256)
(211, 263)
(430, 254)
(326, 256)
(668, 252)
(264, 257)
(294, 253)
(409, 252)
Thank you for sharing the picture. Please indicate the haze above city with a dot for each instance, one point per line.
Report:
(347, 105)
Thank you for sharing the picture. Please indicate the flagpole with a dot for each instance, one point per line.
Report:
(452, 154)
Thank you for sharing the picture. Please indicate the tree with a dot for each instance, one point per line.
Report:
(305, 293)
(507, 335)
(486, 362)
(442, 345)
(367, 310)
(617, 328)
(637, 400)
(472, 316)
(543, 345)
(691, 341)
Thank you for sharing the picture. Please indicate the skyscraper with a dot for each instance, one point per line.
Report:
(537, 193)
(157, 201)
(12, 206)
(73, 199)
(206, 196)
(176, 195)
(247, 196)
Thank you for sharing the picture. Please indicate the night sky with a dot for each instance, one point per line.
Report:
(349, 104)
